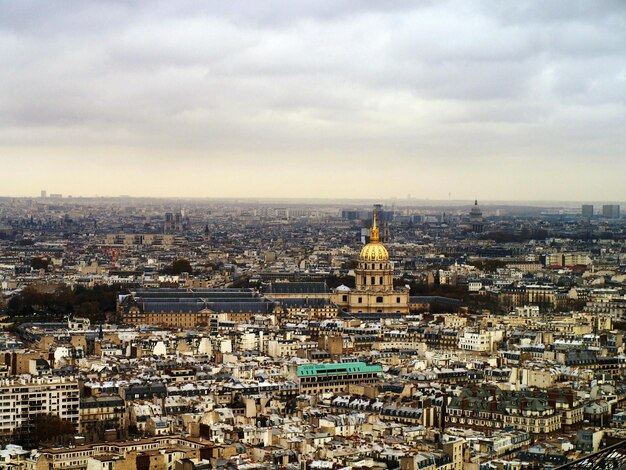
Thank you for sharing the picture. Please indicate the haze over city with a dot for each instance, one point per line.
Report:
(335, 99)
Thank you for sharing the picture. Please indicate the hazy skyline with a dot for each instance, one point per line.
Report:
(349, 99)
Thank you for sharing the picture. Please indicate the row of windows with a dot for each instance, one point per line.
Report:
(380, 310)
(379, 299)
(342, 377)
(373, 266)
(373, 280)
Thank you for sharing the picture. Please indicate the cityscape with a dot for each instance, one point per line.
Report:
(312, 235)
(197, 334)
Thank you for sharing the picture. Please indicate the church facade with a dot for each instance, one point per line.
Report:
(374, 291)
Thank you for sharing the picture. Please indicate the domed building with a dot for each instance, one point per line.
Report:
(476, 218)
(374, 291)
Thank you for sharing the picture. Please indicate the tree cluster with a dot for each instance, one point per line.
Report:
(474, 302)
(44, 430)
(178, 267)
(488, 265)
(93, 303)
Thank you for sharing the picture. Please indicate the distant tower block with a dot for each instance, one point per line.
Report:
(383, 218)
(386, 234)
(44, 193)
(610, 211)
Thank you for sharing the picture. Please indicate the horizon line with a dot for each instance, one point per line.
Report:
(316, 198)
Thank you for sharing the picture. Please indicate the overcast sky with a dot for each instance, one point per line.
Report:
(507, 100)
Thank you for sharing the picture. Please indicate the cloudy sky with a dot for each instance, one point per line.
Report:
(507, 100)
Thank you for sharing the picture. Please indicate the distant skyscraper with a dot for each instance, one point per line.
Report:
(44, 193)
(383, 218)
(378, 210)
(610, 211)
(587, 210)
(350, 214)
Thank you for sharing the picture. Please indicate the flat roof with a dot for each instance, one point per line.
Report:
(310, 370)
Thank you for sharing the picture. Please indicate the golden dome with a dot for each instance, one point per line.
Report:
(374, 250)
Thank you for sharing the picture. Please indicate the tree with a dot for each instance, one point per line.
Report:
(44, 429)
(242, 282)
(181, 266)
(89, 309)
(333, 281)
(39, 263)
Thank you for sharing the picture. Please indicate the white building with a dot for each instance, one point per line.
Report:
(479, 341)
(529, 311)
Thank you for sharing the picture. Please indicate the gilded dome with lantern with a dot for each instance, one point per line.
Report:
(374, 250)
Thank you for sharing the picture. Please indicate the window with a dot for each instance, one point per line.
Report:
(397, 300)
(373, 280)
(379, 300)
(360, 300)
(380, 280)
(345, 298)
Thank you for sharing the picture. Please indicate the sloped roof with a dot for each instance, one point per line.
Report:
(298, 288)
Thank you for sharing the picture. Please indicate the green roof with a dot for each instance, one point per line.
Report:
(311, 370)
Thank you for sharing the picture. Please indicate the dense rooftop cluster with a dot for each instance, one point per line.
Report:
(138, 334)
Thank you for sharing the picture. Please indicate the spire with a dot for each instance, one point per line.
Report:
(475, 202)
(374, 236)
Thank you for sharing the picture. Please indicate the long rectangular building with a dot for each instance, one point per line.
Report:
(139, 239)
(188, 308)
(156, 452)
(335, 378)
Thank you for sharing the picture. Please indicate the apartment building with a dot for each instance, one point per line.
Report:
(102, 418)
(21, 399)
(490, 409)
(480, 341)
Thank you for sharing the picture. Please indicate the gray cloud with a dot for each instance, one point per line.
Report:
(424, 87)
